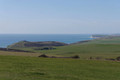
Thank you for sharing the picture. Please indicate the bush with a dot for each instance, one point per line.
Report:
(110, 59)
(43, 55)
(91, 58)
(53, 57)
(118, 58)
(98, 58)
(76, 56)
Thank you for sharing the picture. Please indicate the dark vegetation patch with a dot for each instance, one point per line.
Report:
(44, 48)
(76, 56)
(111, 59)
(45, 56)
(37, 73)
(82, 42)
(118, 58)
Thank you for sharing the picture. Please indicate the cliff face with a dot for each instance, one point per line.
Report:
(23, 44)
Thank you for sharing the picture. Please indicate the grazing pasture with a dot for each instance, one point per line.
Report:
(85, 51)
(32, 68)
(103, 47)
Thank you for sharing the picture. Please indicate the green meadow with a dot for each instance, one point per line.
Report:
(103, 48)
(85, 51)
(88, 50)
(32, 68)
(28, 66)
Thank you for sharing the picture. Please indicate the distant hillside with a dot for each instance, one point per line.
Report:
(102, 40)
(108, 47)
(99, 36)
(23, 44)
(103, 36)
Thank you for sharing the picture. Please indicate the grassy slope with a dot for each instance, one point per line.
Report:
(85, 50)
(19, 53)
(31, 68)
(23, 44)
(106, 48)
(105, 41)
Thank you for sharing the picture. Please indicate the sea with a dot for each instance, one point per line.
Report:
(8, 39)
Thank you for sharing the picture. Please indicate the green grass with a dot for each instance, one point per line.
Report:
(104, 47)
(84, 50)
(104, 41)
(32, 68)
(19, 53)
(28, 66)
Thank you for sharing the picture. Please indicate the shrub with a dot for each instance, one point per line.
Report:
(91, 58)
(110, 59)
(43, 55)
(53, 57)
(76, 56)
(98, 58)
(118, 58)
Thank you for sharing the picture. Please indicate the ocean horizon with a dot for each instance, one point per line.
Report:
(8, 39)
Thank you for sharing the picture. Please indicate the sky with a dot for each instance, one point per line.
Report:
(59, 16)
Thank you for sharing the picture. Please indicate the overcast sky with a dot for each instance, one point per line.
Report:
(59, 16)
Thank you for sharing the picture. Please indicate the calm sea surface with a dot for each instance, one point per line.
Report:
(7, 39)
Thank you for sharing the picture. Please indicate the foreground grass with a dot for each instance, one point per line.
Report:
(19, 53)
(32, 68)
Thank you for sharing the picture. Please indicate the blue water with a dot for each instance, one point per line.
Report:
(7, 39)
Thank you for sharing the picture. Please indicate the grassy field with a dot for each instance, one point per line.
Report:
(84, 50)
(109, 40)
(28, 66)
(19, 53)
(103, 48)
(32, 68)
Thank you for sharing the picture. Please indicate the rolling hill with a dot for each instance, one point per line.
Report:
(23, 44)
